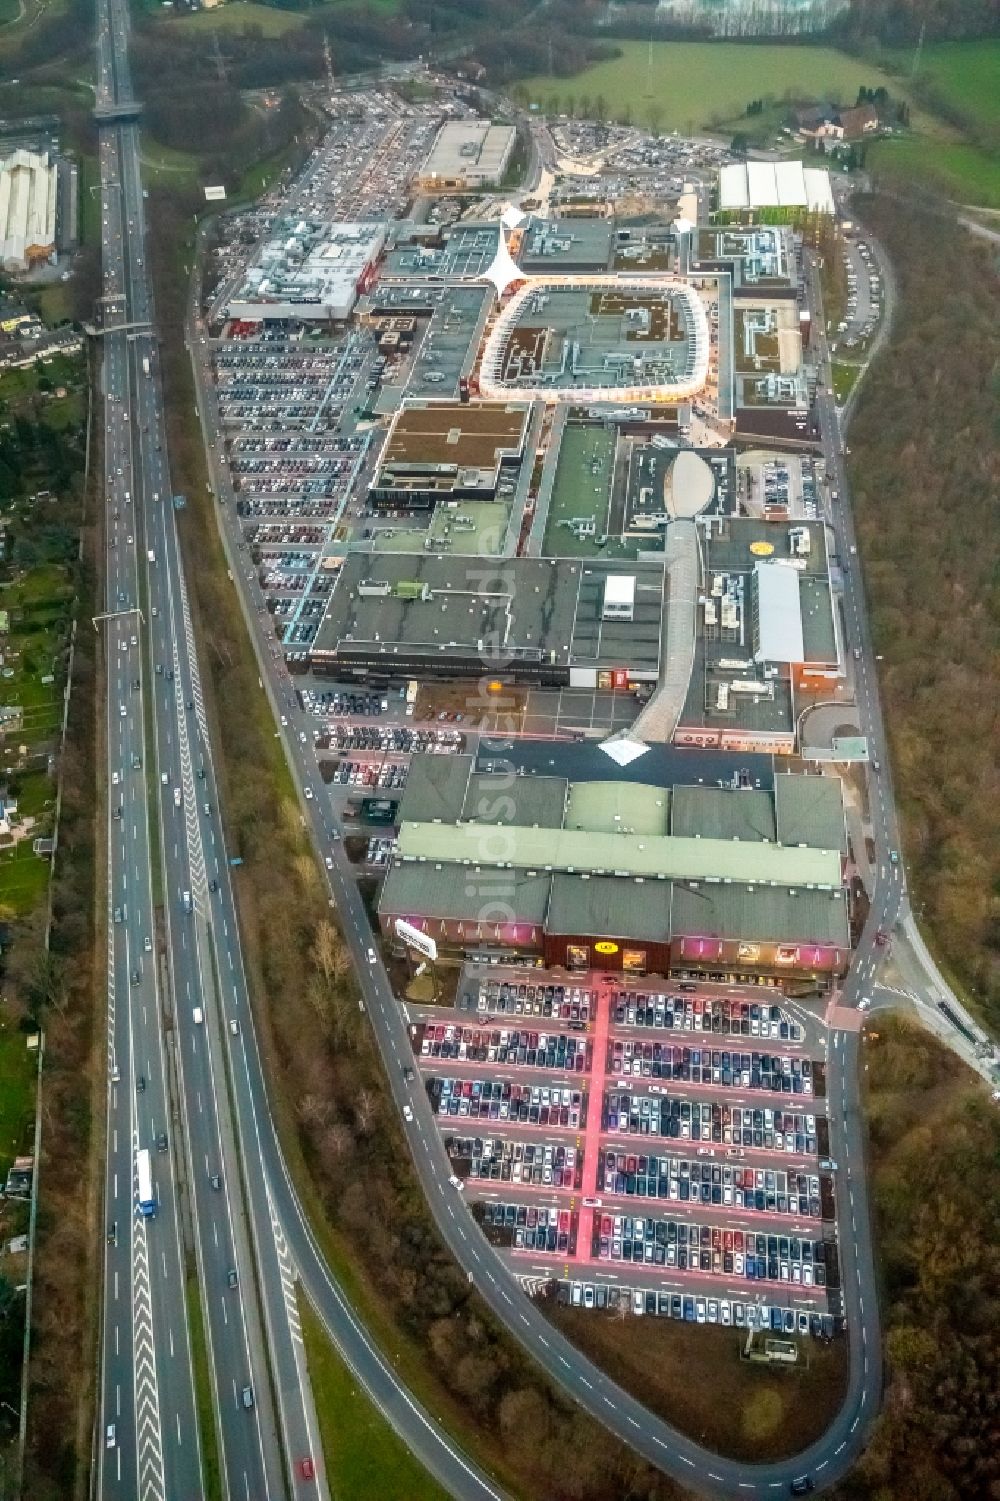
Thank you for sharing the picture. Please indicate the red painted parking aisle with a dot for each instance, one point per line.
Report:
(595, 1107)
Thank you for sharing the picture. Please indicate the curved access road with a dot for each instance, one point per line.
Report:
(662, 1445)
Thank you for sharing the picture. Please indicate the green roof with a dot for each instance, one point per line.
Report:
(435, 788)
(819, 633)
(601, 906)
(525, 800)
(810, 810)
(453, 892)
(766, 914)
(722, 813)
(629, 854)
(610, 807)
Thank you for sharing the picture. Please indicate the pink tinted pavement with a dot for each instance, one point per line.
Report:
(601, 1022)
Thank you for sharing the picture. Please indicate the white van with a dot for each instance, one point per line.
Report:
(198, 1016)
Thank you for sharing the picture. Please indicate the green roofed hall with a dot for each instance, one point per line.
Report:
(810, 810)
(527, 801)
(630, 854)
(617, 807)
(722, 813)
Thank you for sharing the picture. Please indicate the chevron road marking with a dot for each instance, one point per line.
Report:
(148, 1436)
(287, 1272)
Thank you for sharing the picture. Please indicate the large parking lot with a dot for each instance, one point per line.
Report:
(661, 1145)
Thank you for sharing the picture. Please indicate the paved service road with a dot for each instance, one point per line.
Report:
(833, 1455)
(829, 1458)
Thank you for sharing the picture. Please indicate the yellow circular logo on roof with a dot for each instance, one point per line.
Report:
(606, 948)
(762, 549)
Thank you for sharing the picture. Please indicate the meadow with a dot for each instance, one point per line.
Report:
(964, 75)
(696, 85)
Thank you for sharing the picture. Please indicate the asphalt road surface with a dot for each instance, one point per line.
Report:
(833, 1455)
(168, 1043)
(830, 1457)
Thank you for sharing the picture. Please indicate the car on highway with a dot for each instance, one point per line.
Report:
(161, 1142)
(110, 1438)
(247, 1396)
(231, 1277)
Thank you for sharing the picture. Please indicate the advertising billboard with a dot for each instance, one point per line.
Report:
(415, 939)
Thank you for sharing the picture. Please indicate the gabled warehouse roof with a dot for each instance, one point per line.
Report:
(408, 892)
(531, 801)
(723, 813)
(810, 810)
(763, 914)
(435, 788)
(582, 907)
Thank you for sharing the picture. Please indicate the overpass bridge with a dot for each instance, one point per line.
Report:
(139, 325)
(117, 113)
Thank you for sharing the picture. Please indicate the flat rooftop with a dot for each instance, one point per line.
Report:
(497, 614)
(556, 245)
(476, 529)
(469, 148)
(473, 435)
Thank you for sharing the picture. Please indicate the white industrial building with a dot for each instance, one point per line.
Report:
(311, 272)
(28, 192)
(467, 155)
(753, 185)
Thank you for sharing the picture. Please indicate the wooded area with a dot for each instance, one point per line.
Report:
(894, 23)
(934, 1157)
(926, 476)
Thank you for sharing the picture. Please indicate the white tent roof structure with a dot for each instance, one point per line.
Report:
(511, 217)
(503, 271)
(775, 185)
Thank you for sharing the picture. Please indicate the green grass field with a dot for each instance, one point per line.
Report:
(964, 172)
(363, 1455)
(966, 75)
(162, 165)
(844, 379)
(17, 1090)
(697, 83)
(239, 15)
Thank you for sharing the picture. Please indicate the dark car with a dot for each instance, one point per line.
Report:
(161, 1142)
(802, 1485)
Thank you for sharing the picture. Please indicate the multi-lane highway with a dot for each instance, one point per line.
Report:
(831, 1456)
(170, 1040)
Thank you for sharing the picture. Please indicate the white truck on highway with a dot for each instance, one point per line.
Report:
(145, 364)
